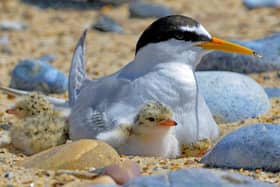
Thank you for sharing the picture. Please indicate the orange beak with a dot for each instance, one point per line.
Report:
(12, 111)
(168, 123)
(223, 45)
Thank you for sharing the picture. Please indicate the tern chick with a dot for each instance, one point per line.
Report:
(39, 125)
(150, 134)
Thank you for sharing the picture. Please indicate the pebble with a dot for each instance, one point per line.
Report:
(9, 175)
(231, 96)
(4, 40)
(252, 147)
(244, 63)
(147, 10)
(123, 172)
(101, 180)
(272, 92)
(110, 2)
(251, 4)
(107, 24)
(8, 25)
(38, 75)
(196, 178)
(77, 155)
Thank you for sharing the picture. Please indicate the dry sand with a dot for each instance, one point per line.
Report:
(56, 31)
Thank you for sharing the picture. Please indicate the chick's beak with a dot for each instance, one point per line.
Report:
(12, 111)
(223, 45)
(168, 123)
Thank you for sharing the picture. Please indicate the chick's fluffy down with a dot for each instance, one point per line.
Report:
(35, 134)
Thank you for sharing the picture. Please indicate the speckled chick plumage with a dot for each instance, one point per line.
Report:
(145, 137)
(38, 126)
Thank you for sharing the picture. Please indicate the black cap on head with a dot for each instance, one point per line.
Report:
(175, 26)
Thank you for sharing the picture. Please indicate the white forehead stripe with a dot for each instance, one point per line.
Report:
(199, 30)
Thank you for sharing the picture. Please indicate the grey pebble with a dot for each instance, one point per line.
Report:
(147, 10)
(272, 92)
(4, 40)
(38, 75)
(107, 24)
(251, 4)
(9, 175)
(251, 147)
(196, 178)
(232, 96)
(8, 25)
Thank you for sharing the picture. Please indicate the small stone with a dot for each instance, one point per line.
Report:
(123, 172)
(9, 175)
(231, 96)
(251, 4)
(81, 154)
(147, 10)
(251, 147)
(4, 40)
(101, 180)
(38, 75)
(272, 92)
(110, 2)
(107, 24)
(8, 25)
(245, 63)
(196, 178)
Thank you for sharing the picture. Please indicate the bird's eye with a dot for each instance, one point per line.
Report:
(20, 108)
(179, 35)
(151, 119)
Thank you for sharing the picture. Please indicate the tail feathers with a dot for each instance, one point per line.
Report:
(77, 74)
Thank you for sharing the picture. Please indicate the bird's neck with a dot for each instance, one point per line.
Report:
(164, 52)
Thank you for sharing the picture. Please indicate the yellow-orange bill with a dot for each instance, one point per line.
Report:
(11, 111)
(168, 123)
(223, 45)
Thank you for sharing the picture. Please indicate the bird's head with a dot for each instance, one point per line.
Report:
(154, 117)
(31, 105)
(182, 37)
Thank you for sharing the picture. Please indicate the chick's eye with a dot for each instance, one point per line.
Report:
(179, 35)
(20, 108)
(151, 119)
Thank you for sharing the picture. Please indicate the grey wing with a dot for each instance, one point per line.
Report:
(87, 123)
(77, 74)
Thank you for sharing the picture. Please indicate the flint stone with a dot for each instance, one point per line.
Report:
(251, 4)
(107, 24)
(147, 10)
(38, 75)
(231, 96)
(196, 178)
(251, 147)
(8, 25)
(78, 155)
(272, 92)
